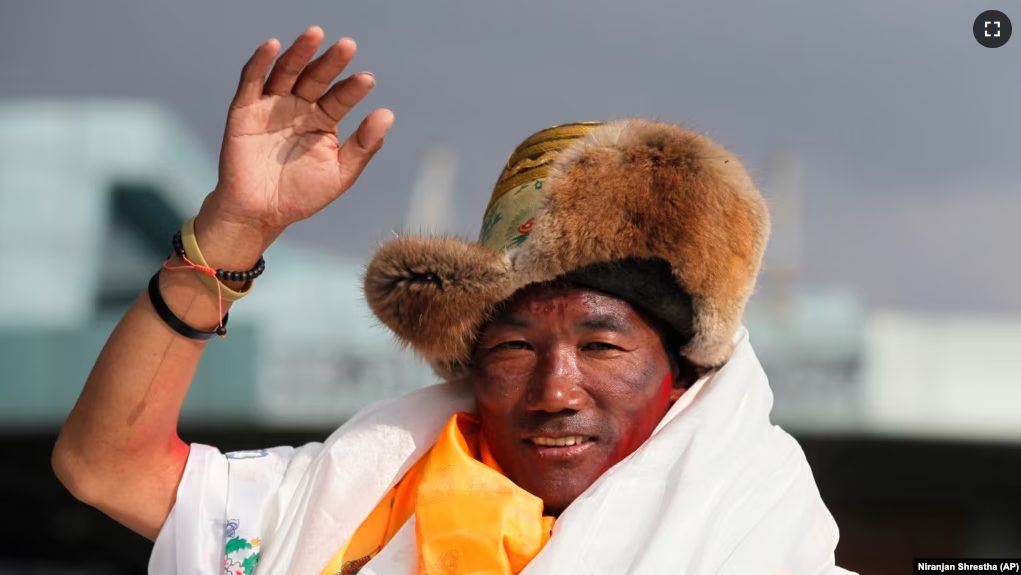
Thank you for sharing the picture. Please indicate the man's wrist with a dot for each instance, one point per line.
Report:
(230, 245)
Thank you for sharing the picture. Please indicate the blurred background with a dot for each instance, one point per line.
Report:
(883, 135)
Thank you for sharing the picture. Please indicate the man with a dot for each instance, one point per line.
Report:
(603, 411)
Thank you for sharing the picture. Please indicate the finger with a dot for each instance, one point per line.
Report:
(360, 146)
(344, 95)
(253, 74)
(317, 76)
(290, 64)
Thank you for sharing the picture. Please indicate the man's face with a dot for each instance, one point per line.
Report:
(568, 382)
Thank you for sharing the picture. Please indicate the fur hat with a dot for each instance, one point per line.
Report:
(647, 211)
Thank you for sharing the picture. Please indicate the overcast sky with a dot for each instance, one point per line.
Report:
(907, 128)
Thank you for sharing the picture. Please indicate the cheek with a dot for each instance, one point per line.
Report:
(652, 405)
(630, 385)
(645, 407)
(664, 399)
(498, 388)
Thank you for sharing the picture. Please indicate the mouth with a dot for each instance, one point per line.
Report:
(563, 447)
(564, 441)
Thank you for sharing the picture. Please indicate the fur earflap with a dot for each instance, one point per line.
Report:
(434, 293)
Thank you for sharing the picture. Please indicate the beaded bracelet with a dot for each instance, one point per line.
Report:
(208, 276)
(224, 275)
(184, 243)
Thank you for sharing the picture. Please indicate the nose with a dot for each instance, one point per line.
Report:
(556, 384)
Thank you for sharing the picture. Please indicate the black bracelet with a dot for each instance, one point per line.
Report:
(175, 322)
(224, 275)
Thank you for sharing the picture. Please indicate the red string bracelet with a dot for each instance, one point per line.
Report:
(206, 270)
(187, 236)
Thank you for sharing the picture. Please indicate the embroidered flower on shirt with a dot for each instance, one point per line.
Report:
(233, 568)
(234, 564)
(240, 555)
(250, 563)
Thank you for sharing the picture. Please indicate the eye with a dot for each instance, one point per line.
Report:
(515, 345)
(599, 346)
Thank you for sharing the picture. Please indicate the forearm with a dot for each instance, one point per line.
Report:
(120, 444)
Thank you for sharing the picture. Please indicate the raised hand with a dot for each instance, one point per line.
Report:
(281, 159)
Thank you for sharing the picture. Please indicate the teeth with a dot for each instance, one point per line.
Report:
(559, 441)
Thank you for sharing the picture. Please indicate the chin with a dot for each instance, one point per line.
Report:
(554, 503)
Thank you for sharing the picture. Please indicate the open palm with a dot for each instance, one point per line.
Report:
(281, 159)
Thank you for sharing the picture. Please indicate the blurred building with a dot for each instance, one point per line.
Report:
(910, 422)
(836, 366)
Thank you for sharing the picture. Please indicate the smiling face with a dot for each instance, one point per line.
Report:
(568, 382)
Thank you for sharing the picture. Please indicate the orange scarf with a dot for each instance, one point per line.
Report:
(469, 517)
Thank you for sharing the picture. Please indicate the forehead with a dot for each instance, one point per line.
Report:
(548, 301)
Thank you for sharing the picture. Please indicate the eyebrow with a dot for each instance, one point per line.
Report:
(510, 321)
(599, 322)
(605, 322)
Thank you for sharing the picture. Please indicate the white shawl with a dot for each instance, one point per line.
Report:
(716, 490)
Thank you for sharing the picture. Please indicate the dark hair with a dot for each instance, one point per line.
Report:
(687, 372)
